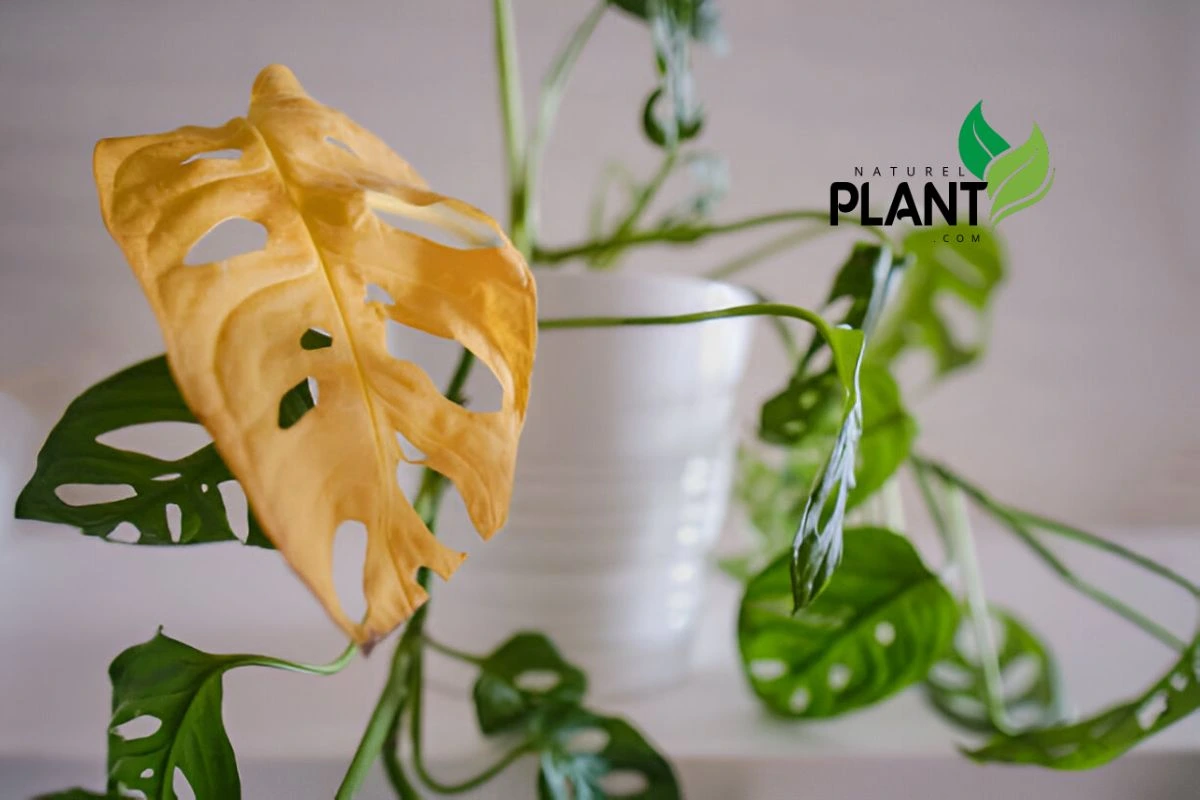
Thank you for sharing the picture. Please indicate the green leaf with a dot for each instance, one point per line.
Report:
(1103, 737)
(941, 269)
(1019, 177)
(178, 687)
(888, 433)
(699, 17)
(773, 494)
(1033, 695)
(878, 627)
(523, 675)
(978, 144)
(817, 547)
(142, 394)
(571, 770)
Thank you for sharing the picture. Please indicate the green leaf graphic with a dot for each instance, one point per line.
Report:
(978, 144)
(1019, 177)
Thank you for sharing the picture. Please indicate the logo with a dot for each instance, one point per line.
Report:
(1013, 178)
(1016, 177)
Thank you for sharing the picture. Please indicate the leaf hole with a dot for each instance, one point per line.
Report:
(316, 339)
(125, 533)
(182, 788)
(174, 521)
(885, 633)
(587, 741)
(624, 783)
(377, 294)
(951, 677)
(412, 453)
(227, 239)
(1149, 712)
(966, 706)
(339, 144)
(437, 356)
(1020, 675)
(223, 155)
(168, 441)
(349, 556)
(838, 677)
(439, 222)
(799, 700)
(91, 494)
(167, 476)
(1179, 681)
(146, 773)
(237, 510)
(125, 791)
(538, 681)
(297, 402)
(138, 728)
(767, 669)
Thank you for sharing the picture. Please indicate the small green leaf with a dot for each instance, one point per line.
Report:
(508, 693)
(700, 17)
(978, 144)
(1103, 737)
(942, 269)
(572, 770)
(1019, 177)
(1033, 695)
(175, 691)
(144, 393)
(878, 627)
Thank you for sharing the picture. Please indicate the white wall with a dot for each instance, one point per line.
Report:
(1086, 407)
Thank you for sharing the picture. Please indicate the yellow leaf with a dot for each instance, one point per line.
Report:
(315, 181)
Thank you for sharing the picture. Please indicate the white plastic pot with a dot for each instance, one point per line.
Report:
(622, 483)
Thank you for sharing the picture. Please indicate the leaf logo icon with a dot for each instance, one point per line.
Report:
(1017, 177)
(978, 144)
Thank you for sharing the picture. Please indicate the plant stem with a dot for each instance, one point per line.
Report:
(1012, 520)
(751, 310)
(512, 109)
(452, 652)
(959, 534)
(687, 234)
(332, 668)
(764, 251)
(1092, 540)
(418, 760)
(606, 258)
(553, 86)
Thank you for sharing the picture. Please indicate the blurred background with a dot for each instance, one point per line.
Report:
(1084, 407)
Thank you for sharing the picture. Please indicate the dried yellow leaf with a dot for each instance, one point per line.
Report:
(314, 180)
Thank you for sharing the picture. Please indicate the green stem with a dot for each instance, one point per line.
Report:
(687, 234)
(513, 111)
(959, 534)
(752, 310)
(453, 652)
(553, 86)
(415, 688)
(1012, 520)
(761, 253)
(1092, 540)
(391, 701)
(608, 257)
(332, 668)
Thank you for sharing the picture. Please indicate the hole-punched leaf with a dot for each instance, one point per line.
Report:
(503, 701)
(959, 676)
(141, 395)
(233, 330)
(879, 625)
